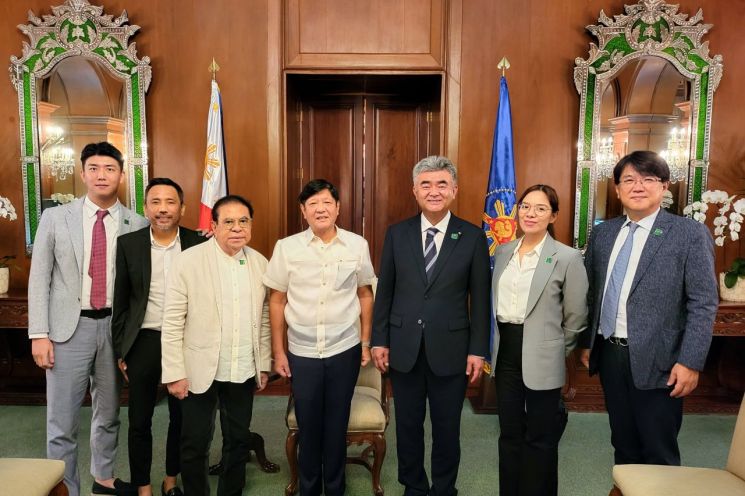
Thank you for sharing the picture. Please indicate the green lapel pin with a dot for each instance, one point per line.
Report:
(548, 260)
(454, 235)
(243, 261)
(126, 221)
(657, 232)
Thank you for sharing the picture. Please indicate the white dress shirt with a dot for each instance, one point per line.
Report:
(236, 362)
(111, 224)
(160, 262)
(640, 238)
(441, 226)
(321, 281)
(514, 284)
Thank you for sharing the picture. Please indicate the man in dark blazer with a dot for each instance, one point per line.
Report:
(652, 302)
(142, 262)
(431, 325)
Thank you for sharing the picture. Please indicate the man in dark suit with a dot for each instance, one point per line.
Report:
(431, 324)
(142, 262)
(652, 302)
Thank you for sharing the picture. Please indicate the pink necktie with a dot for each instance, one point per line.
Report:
(97, 267)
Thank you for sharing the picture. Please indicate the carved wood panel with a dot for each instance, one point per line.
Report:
(365, 34)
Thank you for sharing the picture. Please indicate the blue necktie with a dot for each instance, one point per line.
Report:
(609, 310)
(430, 251)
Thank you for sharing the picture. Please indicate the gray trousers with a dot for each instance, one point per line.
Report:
(86, 358)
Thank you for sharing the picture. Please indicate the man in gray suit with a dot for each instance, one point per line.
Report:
(69, 298)
(652, 302)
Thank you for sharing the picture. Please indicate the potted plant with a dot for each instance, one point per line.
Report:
(7, 211)
(727, 225)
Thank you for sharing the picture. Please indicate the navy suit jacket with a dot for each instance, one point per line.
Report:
(132, 284)
(672, 302)
(450, 312)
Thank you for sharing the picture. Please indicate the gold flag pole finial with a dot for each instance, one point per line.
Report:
(213, 68)
(504, 64)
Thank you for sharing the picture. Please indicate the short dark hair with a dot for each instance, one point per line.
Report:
(553, 199)
(646, 163)
(104, 149)
(316, 186)
(225, 200)
(165, 181)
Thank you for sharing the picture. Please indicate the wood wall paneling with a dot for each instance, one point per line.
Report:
(255, 41)
(364, 34)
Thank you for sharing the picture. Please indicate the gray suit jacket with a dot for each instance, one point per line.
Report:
(556, 311)
(673, 299)
(56, 279)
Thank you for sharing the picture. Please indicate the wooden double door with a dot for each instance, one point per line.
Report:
(363, 134)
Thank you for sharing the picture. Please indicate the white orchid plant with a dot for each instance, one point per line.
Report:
(727, 225)
(7, 211)
(731, 214)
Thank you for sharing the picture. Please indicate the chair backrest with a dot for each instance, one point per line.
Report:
(736, 460)
(370, 377)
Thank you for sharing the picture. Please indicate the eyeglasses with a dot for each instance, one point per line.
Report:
(540, 210)
(243, 223)
(646, 181)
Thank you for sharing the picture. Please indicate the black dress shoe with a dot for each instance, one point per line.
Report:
(174, 491)
(215, 469)
(120, 488)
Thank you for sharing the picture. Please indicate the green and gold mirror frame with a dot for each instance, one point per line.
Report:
(648, 28)
(77, 28)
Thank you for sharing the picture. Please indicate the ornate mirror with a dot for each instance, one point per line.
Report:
(647, 85)
(78, 81)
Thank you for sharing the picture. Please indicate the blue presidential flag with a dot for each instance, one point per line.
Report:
(499, 221)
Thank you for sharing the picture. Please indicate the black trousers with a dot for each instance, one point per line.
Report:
(143, 370)
(322, 389)
(411, 391)
(530, 424)
(236, 405)
(644, 423)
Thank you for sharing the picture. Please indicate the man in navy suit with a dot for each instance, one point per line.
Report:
(652, 303)
(431, 325)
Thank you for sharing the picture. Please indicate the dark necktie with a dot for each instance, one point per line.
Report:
(609, 310)
(430, 251)
(97, 267)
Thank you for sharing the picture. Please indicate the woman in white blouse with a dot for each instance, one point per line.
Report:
(539, 291)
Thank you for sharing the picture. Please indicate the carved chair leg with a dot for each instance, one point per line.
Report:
(615, 491)
(257, 446)
(291, 450)
(378, 457)
(59, 490)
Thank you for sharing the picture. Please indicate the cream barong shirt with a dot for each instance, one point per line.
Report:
(236, 362)
(321, 282)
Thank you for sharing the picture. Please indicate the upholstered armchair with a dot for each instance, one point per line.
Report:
(660, 480)
(32, 477)
(368, 420)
